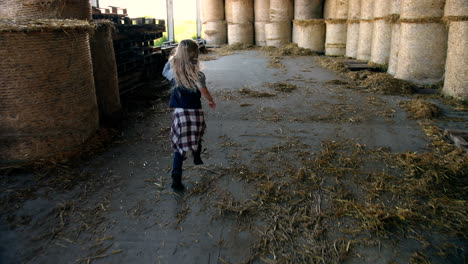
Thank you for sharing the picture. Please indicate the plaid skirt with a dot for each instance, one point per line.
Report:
(188, 127)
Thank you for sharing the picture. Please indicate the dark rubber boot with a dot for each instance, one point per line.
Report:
(177, 182)
(197, 155)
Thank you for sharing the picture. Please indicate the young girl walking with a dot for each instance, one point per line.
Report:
(188, 124)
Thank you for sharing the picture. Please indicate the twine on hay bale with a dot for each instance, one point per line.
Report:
(50, 108)
(421, 20)
(309, 22)
(335, 21)
(353, 21)
(45, 9)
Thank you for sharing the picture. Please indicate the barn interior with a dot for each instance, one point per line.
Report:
(340, 134)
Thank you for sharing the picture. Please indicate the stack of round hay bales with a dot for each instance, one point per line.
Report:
(308, 25)
(240, 18)
(352, 36)
(423, 41)
(335, 40)
(105, 70)
(365, 30)
(46, 83)
(395, 42)
(382, 35)
(214, 25)
(456, 69)
(262, 17)
(45, 9)
(279, 30)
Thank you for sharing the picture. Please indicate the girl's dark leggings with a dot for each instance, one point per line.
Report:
(179, 160)
(177, 163)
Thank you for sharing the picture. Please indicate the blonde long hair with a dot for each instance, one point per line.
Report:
(185, 64)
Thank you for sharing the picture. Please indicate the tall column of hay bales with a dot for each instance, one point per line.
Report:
(50, 9)
(214, 25)
(365, 30)
(105, 70)
(308, 25)
(352, 36)
(46, 83)
(382, 35)
(262, 16)
(240, 17)
(395, 42)
(423, 41)
(456, 69)
(336, 29)
(278, 31)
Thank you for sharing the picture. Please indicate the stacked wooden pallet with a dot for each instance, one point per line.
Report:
(138, 60)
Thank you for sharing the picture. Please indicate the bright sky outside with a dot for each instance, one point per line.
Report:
(183, 9)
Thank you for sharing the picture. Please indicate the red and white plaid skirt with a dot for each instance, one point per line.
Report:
(188, 127)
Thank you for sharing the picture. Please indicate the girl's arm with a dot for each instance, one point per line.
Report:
(204, 91)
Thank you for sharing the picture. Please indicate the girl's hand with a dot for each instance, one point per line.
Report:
(212, 104)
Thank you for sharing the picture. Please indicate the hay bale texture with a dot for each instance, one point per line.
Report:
(309, 34)
(240, 33)
(352, 35)
(215, 33)
(212, 10)
(308, 9)
(260, 39)
(45, 9)
(105, 70)
(281, 10)
(46, 81)
(366, 28)
(336, 29)
(395, 40)
(382, 35)
(278, 33)
(262, 10)
(456, 69)
(423, 41)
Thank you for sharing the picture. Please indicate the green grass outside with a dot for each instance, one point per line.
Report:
(183, 30)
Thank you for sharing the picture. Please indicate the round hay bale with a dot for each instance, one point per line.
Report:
(336, 9)
(422, 52)
(105, 70)
(281, 10)
(262, 10)
(456, 70)
(260, 39)
(352, 35)
(352, 40)
(45, 9)
(366, 27)
(394, 49)
(277, 33)
(395, 6)
(335, 40)
(422, 9)
(367, 9)
(215, 32)
(48, 104)
(240, 11)
(212, 10)
(241, 33)
(382, 35)
(309, 34)
(308, 9)
(456, 8)
(354, 9)
(365, 40)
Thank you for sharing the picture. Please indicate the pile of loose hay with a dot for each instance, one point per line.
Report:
(249, 92)
(282, 87)
(385, 83)
(333, 64)
(290, 49)
(419, 108)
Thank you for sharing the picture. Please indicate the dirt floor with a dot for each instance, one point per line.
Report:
(298, 169)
